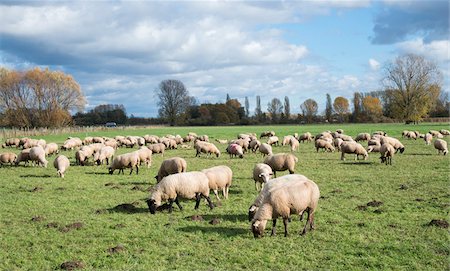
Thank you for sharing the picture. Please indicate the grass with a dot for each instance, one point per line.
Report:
(39, 211)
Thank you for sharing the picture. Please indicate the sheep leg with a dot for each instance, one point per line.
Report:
(210, 204)
(227, 189)
(197, 200)
(178, 204)
(274, 229)
(216, 192)
(308, 221)
(285, 222)
(170, 205)
(311, 222)
(137, 169)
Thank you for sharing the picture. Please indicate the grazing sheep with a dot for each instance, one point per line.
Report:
(345, 137)
(203, 138)
(12, 142)
(262, 173)
(265, 149)
(294, 197)
(187, 185)
(127, 160)
(105, 153)
(306, 137)
(281, 162)
(286, 140)
(51, 148)
(412, 135)
(294, 144)
(428, 137)
(339, 131)
(398, 146)
(37, 154)
(441, 146)
(373, 148)
(83, 154)
(8, 157)
(244, 143)
(171, 166)
(379, 133)
(61, 164)
(24, 156)
(267, 134)
(88, 140)
(206, 147)
(235, 150)
(337, 142)
(95, 147)
(353, 147)
(434, 133)
(112, 143)
(71, 143)
(387, 152)
(443, 132)
(363, 137)
(273, 140)
(220, 177)
(254, 145)
(324, 144)
(145, 156)
(157, 148)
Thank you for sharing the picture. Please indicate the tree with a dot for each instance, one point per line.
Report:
(357, 107)
(309, 109)
(287, 107)
(173, 100)
(413, 84)
(39, 97)
(228, 98)
(247, 107)
(275, 108)
(372, 107)
(341, 107)
(258, 111)
(329, 109)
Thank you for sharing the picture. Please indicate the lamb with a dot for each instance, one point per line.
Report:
(171, 166)
(188, 185)
(220, 177)
(363, 137)
(294, 197)
(206, 147)
(387, 152)
(324, 144)
(294, 144)
(281, 162)
(61, 164)
(306, 137)
(145, 155)
(265, 149)
(441, 146)
(127, 160)
(8, 157)
(235, 150)
(262, 173)
(428, 137)
(37, 154)
(273, 140)
(24, 156)
(51, 148)
(157, 148)
(105, 153)
(353, 147)
(398, 146)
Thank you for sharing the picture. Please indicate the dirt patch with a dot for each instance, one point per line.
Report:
(37, 218)
(52, 225)
(71, 265)
(196, 218)
(109, 184)
(378, 211)
(419, 199)
(36, 189)
(73, 226)
(374, 203)
(214, 221)
(439, 223)
(117, 249)
(362, 207)
(403, 187)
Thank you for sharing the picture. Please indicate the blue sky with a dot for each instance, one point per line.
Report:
(119, 51)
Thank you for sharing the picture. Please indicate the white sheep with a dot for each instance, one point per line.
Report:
(337, 142)
(428, 137)
(187, 185)
(127, 160)
(24, 156)
(37, 154)
(104, 154)
(398, 146)
(387, 152)
(157, 148)
(254, 145)
(286, 140)
(83, 154)
(61, 164)
(262, 173)
(281, 162)
(363, 137)
(306, 137)
(235, 150)
(293, 142)
(145, 156)
(265, 149)
(51, 148)
(441, 146)
(353, 147)
(445, 132)
(294, 197)
(273, 140)
(8, 157)
(171, 166)
(267, 134)
(220, 177)
(206, 147)
(324, 144)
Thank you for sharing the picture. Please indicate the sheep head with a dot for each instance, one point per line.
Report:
(251, 212)
(258, 228)
(151, 206)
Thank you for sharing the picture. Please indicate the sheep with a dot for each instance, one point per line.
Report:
(412, 135)
(353, 147)
(38, 154)
(206, 147)
(373, 148)
(112, 143)
(441, 146)
(29, 143)
(323, 144)
(157, 148)
(324, 135)
(444, 132)
(286, 140)
(235, 150)
(254, 145)
(295, 197)
(171, 166)
(222, 141)
(363, 137)
(83, 154)
(88, 140)
(428, 137)
(294, 144)
(345, 137)
(8, 157)
(267, 134)
(382, 133)
(398, 146)
(220, 177)
(203, 138)
(71, 143)
(151, 139)
(12, 142)
(145, 155)
(339, 131)
(262, 173)
(387, 152)
(265, 149)
(24, 156)
(337, 142)
(306, 137)
(98, 139)
(281, 162)
(61, 164)
(96, 147)
(51, 148)
(188, 185)
(127, 160)
(273, 140)
(434, 133)
(244, 143)
(105, 153)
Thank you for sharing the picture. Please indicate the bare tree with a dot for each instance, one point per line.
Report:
(247, 107)
(275, 108)
(174, 100)
(258, 111)
(413, 84)
(309, 109)
(287, 107)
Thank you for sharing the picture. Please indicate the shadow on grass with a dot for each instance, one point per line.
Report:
(136, 183)
(358, 163)
(97, 173)
(36, 176)
(418, 154)
(225, 231)
(127, 208)
(227, 217)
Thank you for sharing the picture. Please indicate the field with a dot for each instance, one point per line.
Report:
(370, 216)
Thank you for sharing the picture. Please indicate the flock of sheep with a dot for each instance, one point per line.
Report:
(278, 197)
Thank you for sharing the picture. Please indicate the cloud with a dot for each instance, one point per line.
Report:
(400, 20)
(436, 50)
(373, 64)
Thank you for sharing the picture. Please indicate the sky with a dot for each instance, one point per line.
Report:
(119, 51)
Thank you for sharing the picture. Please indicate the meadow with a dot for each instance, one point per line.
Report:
(370, 216)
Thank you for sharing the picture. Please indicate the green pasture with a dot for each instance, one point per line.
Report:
(370, 216)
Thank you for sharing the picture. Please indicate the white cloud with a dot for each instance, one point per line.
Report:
(373, 64)
(437, 50)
